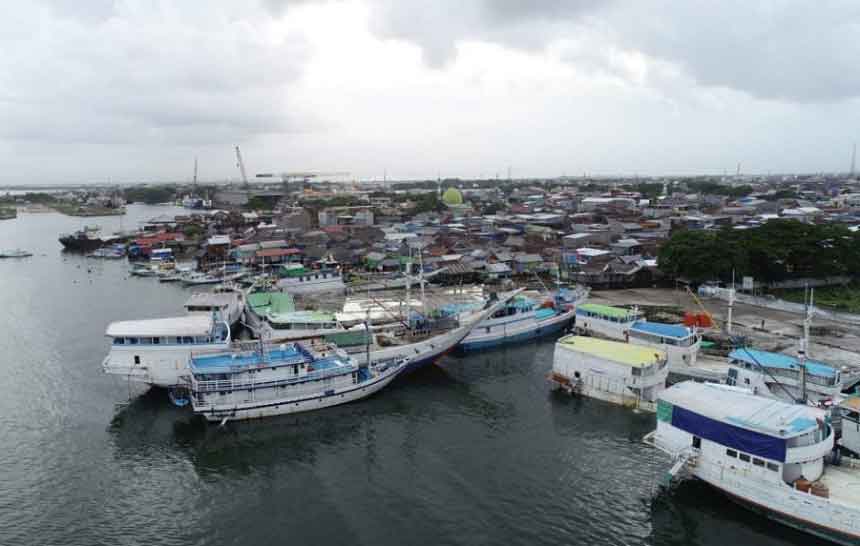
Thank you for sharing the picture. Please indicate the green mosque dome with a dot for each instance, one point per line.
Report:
(452, 196)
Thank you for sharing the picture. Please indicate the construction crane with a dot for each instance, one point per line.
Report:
(241, 165)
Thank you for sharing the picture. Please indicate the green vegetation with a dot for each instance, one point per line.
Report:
(30, 197)
(778, 250)
(839, 298)
(714, 188)
(261, 203)
(151, 195)
(427, 202)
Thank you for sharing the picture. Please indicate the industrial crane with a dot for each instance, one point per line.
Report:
(241, 165)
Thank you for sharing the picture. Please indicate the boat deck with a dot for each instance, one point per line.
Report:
(232, 361)
(843, 482)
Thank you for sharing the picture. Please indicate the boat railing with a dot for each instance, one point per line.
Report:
(219, 385)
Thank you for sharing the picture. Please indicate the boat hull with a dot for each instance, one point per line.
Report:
(516, 333)
(821, 531)
(327, 399)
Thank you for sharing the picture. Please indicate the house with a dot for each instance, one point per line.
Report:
(496, 272)
(527, 263)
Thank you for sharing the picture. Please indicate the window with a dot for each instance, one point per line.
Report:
(118, 341)
(746, 380)
(136, 359)
(697, 442)
(744, 457)
(732, 453)
(773, 466)
(156, 341)
(758, 462)
(187, 340)
(132, 340)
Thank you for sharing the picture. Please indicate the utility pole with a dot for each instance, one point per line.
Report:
(853, 159)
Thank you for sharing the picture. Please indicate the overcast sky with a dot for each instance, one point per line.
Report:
(133, 90)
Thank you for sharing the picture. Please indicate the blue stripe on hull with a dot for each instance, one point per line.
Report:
(540, 331)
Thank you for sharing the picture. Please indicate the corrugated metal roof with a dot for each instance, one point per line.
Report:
(635, 356)
(660, 329)
(779, 360)
(743, 409)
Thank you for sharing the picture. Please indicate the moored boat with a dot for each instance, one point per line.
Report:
(770, 456)
(226, 303)
(605, 320)
(524, 318)
(255, 381)
(620, 373)
(157, 351)
(15, 253)
(301, 281)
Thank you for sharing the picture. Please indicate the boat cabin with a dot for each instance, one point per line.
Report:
(620, 373)
(605, 320)
(756, 370)
(681, 344)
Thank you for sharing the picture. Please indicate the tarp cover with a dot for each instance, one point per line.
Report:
(728, 435)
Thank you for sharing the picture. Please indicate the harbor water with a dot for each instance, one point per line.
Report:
(475, 450)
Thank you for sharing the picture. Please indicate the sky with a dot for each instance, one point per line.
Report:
(128, 91)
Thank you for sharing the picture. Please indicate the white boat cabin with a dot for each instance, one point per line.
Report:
(756, 370)
(157, 351)
(681, 344)
(605, 320)
(616, 372)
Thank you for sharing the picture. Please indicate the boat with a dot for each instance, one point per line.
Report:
(82, 241)
(524, 318)
(298, 280)
(773, 457)
(605, 320)
(681, 344)
(199, 278)
(423, 349)
(394, 283)
(142, 270)
(224, 303)
(620, 373)
(157, 351)
(113, 252)
(15, 253)
(254, 381)
(782, 376)
(848, 411)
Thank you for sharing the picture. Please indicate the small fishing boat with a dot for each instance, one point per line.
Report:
(15, 253)
(254, 381)
(142, 270)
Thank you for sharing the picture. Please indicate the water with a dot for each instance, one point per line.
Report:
(473, 451)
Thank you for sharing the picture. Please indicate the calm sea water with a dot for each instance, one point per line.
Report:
(475, 450)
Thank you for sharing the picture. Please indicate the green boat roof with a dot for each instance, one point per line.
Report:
(275, 302)
(301, 316)
(607, 310)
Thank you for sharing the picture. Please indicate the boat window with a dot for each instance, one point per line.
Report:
(773, 466)
(132, 340)
(853, 415)
(187, 340)
(732, 453)
(136, 359)
(156, 341)
(118, 341)
(697, 442)
(744, 457)
(636, 371)
(758, 462)
(177, 340)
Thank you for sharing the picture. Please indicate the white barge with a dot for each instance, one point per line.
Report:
(620, 373)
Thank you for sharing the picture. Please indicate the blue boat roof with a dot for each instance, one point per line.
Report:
(227, 361)
(779, 360)
(660, 329)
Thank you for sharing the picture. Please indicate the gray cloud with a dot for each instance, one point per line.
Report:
(785, 50)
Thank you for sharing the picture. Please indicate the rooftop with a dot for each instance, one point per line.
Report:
(779, 360)
(191, 325)
(660, 329)
(741, 408)
(635, 356)
(607, 310)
